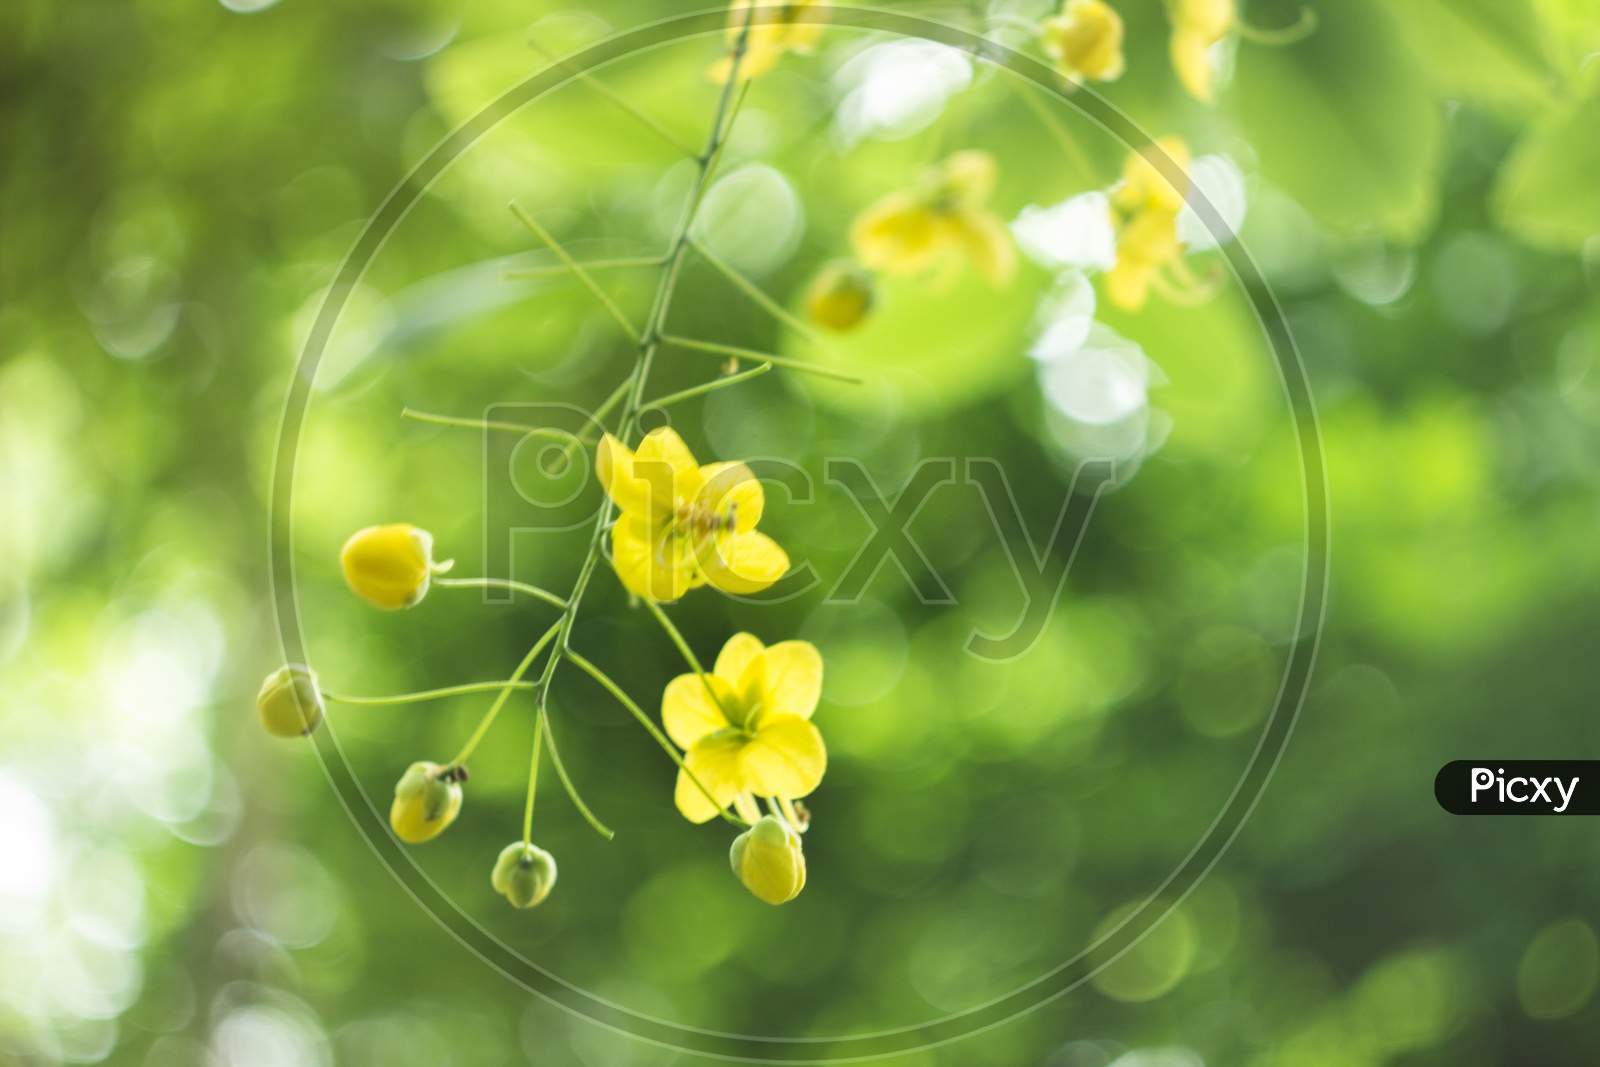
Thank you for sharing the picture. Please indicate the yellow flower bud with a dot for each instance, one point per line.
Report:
(290, 702)
(524, 873)
(390, 566)
(426, 800)
(768, 860)
(1085, 41)
(840, 297)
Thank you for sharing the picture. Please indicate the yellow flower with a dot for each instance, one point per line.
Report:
(683, 525)
(390, 566)
(937, 223)
(840, 296)
(768, 860)
(1085, 41)
(426, 800)
(290, 704)
(747, 727)
(1197, 25)
(524, 873)
(1146, 207)
(793, 27)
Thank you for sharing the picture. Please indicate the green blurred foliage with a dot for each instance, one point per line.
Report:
(180, 183)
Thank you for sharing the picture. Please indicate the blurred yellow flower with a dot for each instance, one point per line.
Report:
(1145, 206)
(768, 860)
(840, 296)
(792, 27)
(426, 800)
(1085, 41)
(1197, 25)
(937, 223)
(684, 525)
(390, 566)
(747, 727)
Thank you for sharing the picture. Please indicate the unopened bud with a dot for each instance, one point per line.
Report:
(290, 702)
(768, 860)
(524, 874)
(840, 297)
(390, 566)
(426, 800)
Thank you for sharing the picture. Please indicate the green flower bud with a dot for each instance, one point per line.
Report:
(840, 296)
(768, 860)
(290, 702)
(525, 874)
(426, 800)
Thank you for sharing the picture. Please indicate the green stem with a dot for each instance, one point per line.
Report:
(525, 273)
(426, 694)
(688, 655)
(600, 87)
(582, 275)
(711, 386)
(533, 781)
(503, 583)
(766, 357)
(1069, 144)
(485, 424)
(755, 292)
(561, 772)
(1299, 30)
(499, 701)
(644, 720)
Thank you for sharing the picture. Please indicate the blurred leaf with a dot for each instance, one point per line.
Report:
(1344, 122)
(1493, 50)
(1546, 191)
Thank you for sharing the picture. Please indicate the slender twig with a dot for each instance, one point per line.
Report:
(755, 292)
(533, 781)
(576, 268)
(711, 386)
(688, 656)
(591, 265)
(485, 424)
(645, 119)
(561, 772)
(499, 701)
(503, 583)
(425, 694)
(1069, 144)
(1297, 31)
(655, 731)
(764, 357)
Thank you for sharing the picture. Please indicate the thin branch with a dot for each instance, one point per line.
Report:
(576, 268)
(1299, 30)
(600, 87)
(589, 265)
(710, 387)
(533, 781)
(425, 694)
(1069, 144)
(485, 424)
(505, 691)
(655, 731)
(764, 357)
(503, 583)
(755, 292)
(561, 772)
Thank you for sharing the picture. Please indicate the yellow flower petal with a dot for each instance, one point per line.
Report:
(666, 463)
(1210, 19)
(744, 563)
(785, 758)
(969, 175)
(736, 656)
(715, 760)
(735, 486)
(1191, 58)
(793, 679)
(988, 242)
(1085, 40)
(613, 464)
(690, 713)
(897, 235)
(648, 560)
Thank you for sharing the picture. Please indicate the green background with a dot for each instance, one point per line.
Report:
(178, 184)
